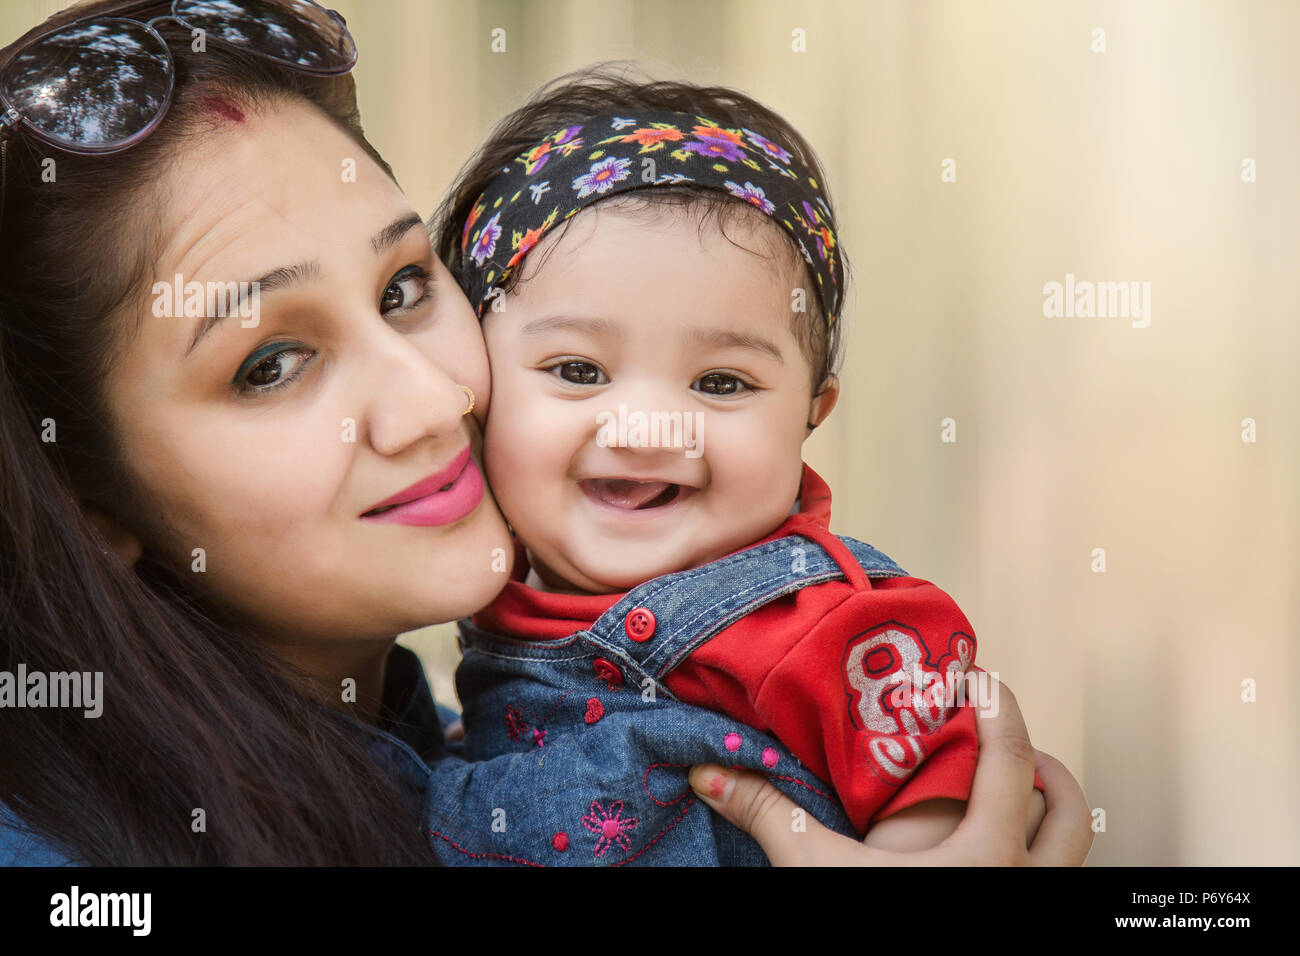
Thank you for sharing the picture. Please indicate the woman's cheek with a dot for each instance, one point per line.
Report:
(266, 483)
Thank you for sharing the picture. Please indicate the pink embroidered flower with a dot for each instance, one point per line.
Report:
(610, 825)
(602, 176)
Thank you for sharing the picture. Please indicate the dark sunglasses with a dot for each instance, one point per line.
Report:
(103, 84)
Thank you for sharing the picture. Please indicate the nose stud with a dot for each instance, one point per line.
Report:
(469, 394)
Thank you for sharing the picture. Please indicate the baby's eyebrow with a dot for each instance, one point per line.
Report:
(569, 323)
(729, 338)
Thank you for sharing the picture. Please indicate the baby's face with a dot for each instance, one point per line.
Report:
(628, 318)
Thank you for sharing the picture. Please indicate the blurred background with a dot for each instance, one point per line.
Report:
(1111, 141)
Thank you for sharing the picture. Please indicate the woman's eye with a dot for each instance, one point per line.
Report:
(408, 290)
(720, 383)
(579, 373)
(273, 371)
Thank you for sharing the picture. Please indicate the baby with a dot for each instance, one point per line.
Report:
(660, 281)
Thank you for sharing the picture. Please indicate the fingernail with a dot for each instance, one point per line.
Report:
(709, 780)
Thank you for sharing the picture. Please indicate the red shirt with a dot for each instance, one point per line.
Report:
(821, 670)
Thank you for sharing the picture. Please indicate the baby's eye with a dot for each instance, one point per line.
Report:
(579, 373)
(720, 383)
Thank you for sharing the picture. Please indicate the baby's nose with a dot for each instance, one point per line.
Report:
(649, 431)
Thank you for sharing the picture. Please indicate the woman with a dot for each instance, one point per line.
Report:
(194, 504)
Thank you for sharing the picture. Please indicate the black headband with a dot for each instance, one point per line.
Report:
(602, 155)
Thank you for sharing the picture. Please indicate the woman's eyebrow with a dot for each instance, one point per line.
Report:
(264, 284)
(300, 272)
(397, 229)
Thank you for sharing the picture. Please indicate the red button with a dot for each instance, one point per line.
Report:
(640, 624)
(608, 672)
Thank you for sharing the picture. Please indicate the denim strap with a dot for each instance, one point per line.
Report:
(691, 607)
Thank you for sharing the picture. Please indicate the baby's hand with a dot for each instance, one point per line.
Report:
(930, 822)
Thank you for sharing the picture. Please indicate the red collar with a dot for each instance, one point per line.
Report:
(525, 612)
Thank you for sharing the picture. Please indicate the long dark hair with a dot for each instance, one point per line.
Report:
(198, 715)
(622, 87)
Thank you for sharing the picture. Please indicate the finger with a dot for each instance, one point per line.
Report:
(1065, 836)
(1004, 773)
(765, 813)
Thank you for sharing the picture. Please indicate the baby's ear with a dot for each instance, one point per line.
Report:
(824, 401)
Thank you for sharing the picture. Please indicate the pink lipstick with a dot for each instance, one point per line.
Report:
(443, 497)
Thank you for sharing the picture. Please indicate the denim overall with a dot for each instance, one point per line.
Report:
(578, 754)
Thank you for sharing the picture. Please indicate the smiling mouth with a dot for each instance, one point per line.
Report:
(629, 495)
(378, 511)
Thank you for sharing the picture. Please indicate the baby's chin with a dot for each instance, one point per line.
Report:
(617, 573)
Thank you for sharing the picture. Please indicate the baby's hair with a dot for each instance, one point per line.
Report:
(619, 88)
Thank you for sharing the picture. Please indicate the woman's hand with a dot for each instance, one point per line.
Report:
(991, 834)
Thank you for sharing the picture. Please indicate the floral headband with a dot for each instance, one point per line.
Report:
(603, 155)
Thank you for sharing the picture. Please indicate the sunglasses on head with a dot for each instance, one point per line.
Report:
(102, 84)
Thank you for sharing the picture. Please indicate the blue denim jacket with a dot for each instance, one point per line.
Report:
(597, 749)
(453, 795)
(571, 759)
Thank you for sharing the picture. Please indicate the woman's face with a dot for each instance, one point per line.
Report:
(265, 441)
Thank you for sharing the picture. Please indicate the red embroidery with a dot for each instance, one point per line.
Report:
(485, 856)
(600, 820)
(515, 723)
(595, 710)
(611, 825)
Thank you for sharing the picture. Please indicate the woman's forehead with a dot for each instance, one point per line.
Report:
(285, 181)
